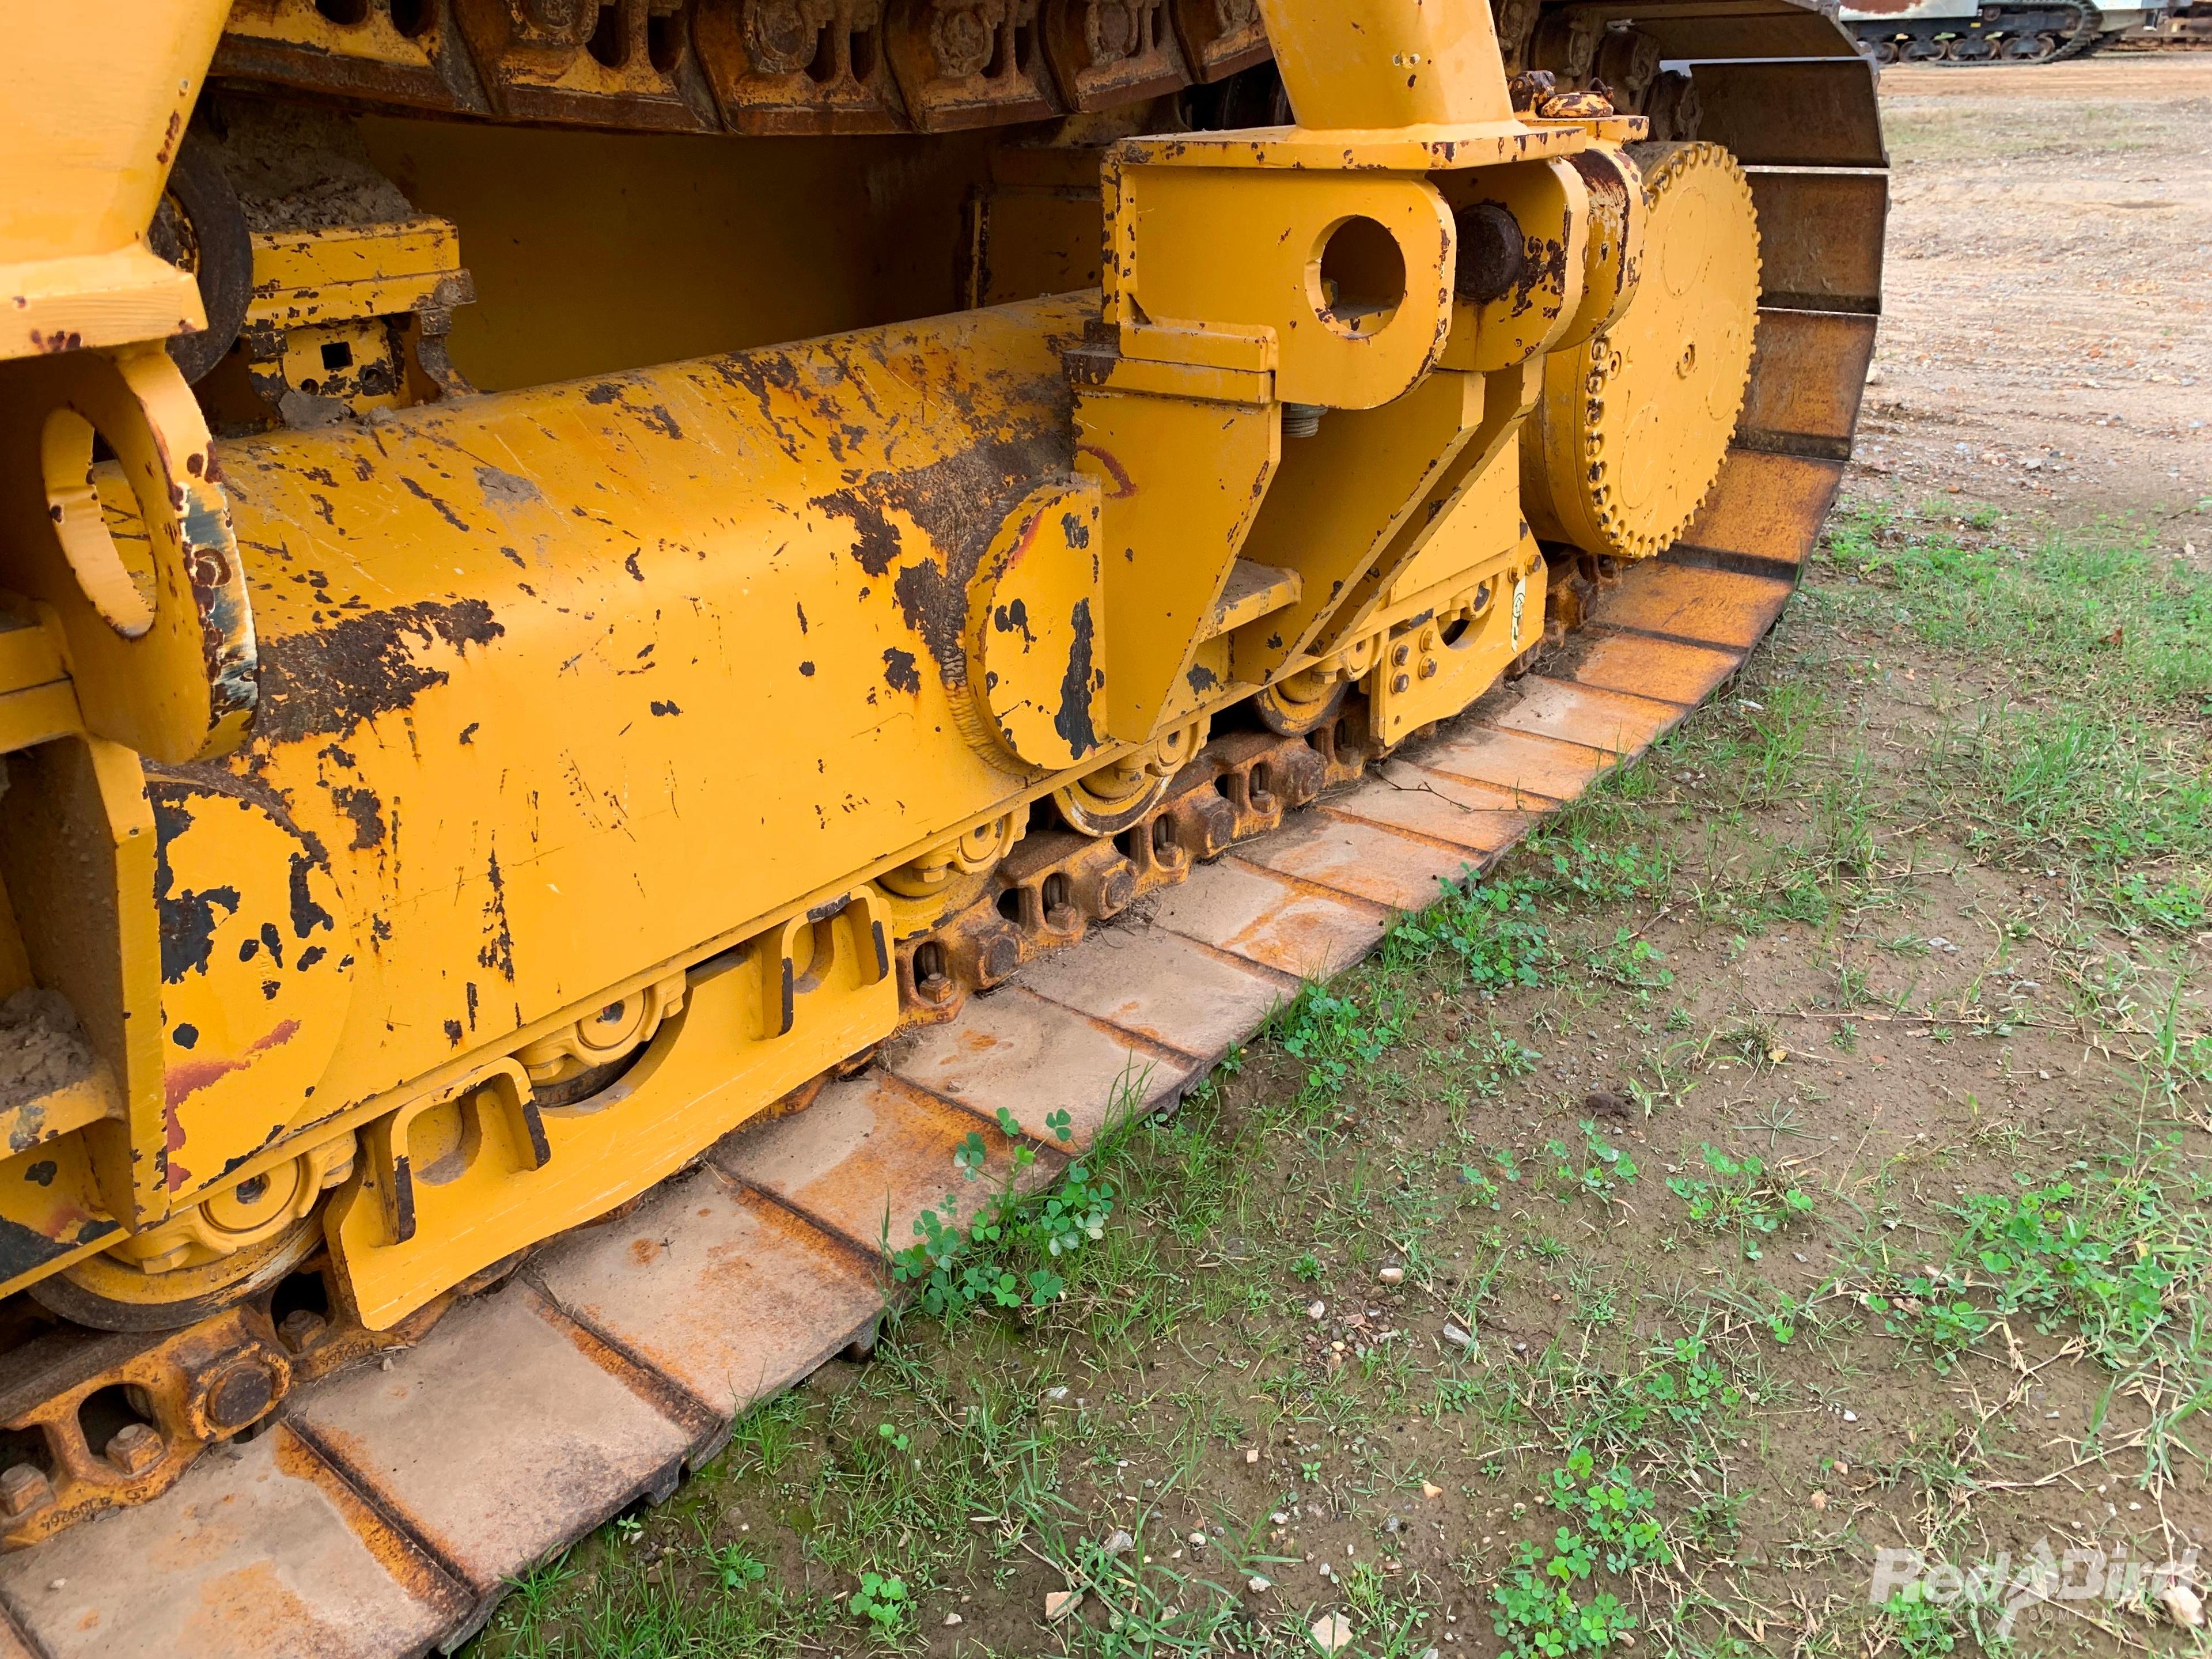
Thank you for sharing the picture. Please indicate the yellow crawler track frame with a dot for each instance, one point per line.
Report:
(438, 819)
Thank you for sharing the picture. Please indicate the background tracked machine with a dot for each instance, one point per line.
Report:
(2001, 31)
(515, 777)
(2188, 25)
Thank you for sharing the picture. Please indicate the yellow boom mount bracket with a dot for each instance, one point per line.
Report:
(1378, 265)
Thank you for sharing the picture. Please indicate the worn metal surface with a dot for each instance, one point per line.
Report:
(1806, 114)
(264, 1548)
(1163, 988)
(1822, 237)
(867, 1156)
(1611, 722)
(512, 1430)
(1762, 519)
(726, 1293)
(1792, 406)
(1437, 799)
(495, 920)
(630, 1344)
(1698, 605)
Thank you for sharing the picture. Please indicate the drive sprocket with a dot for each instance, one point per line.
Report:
(1631, 428)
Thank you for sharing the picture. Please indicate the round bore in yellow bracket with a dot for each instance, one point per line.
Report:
(1631, 429)
(1035, 628)
(131, 542)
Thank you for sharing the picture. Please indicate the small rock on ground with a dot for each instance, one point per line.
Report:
(2181, 1605)
(1331, 1632)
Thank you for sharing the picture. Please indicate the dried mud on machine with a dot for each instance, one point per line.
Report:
(505, 754)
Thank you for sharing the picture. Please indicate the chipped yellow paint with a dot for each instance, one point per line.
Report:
(482, 1192)
(526, 788)
(346, 271)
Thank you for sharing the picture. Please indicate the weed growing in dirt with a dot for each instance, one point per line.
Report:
(1493, 930)
(1337, 1034)
(2129, 802)
(1738, 1198)
(550, 1610)
(2108, 1254)
(736, 1565)
(1538, 1610)
(1009, 1255)
(1595, 1169)
(1915, 1625)
(883, 1601)
(1485, 1188)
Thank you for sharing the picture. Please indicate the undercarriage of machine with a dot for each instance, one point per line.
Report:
(1980, 34)
(2188, 27)
(2007, 31)
(486, 718)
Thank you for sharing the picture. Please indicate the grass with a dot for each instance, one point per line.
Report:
(1955, 131)
(2097, 616)
(2117, 1255)
(1797, 1148)
(1737, 1196)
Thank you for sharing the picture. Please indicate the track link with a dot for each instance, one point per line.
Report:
(382, 1507)
(2086, 36)
(393, 1502)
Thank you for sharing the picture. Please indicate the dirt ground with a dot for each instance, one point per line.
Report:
(1799, 1153)
(2047, 337)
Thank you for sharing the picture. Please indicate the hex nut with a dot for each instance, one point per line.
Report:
(24, 1487)
(135, 1448)
(1118, 891)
